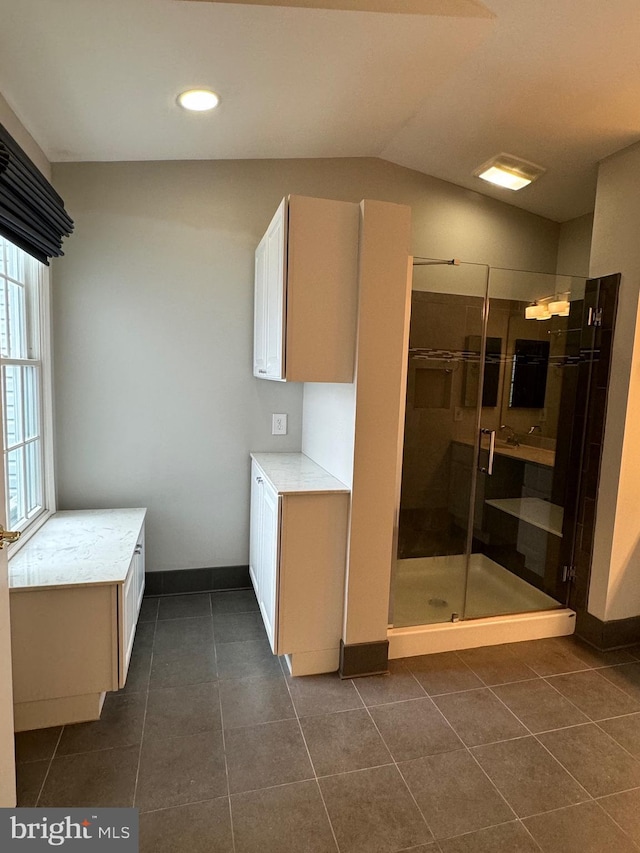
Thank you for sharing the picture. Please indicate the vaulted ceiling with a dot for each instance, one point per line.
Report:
(436, 85)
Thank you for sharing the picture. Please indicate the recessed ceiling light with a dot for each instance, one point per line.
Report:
(509, 172)
(198, 100)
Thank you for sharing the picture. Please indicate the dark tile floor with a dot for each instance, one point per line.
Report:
(509, 749)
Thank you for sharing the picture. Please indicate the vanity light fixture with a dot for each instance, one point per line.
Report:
(561, 307)
(536, 312)
(509, 172)
(549, 306)
(198, 100)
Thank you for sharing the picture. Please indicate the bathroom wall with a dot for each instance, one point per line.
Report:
(615, 586)
(156, 404)
(574, 246)
(24, 139)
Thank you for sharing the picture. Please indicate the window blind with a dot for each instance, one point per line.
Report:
(32, 214)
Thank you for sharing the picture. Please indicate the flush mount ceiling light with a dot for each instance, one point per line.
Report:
(198, 100)
(509, 172)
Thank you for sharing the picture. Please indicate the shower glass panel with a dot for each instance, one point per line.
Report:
(440, 448)
(515, 564)
(485, 471)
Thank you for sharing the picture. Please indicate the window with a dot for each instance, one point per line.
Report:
(25, 387)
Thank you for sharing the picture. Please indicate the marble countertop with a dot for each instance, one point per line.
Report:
(292, 473)
(78, 548)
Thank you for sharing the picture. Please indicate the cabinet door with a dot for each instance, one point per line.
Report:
(138, 562)
(276, 242)
(270, 563)
(260, 311)
(255, 527)
(129, 604)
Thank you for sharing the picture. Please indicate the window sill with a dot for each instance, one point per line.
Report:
(26, 535)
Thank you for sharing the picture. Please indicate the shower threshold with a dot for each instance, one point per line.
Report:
(500, 607)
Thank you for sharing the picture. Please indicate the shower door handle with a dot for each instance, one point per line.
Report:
(492, 448)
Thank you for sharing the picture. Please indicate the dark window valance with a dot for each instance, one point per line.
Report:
(32, 214)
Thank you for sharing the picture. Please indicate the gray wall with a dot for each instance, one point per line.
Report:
(615, 591)
(574, 246)
(155, 402)
(22, 136)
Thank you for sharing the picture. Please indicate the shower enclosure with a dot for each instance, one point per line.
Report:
(487, 442)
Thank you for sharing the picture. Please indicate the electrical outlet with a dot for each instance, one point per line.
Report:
(278, 424)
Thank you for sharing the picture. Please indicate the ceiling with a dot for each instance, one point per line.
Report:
(440, 87)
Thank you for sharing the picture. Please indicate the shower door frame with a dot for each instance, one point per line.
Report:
(563, 582)
(474, 470)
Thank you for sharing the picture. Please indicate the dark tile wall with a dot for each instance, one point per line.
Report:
(583, 451)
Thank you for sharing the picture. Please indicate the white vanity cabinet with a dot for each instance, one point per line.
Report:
(75, 594)
(298, 542)
(305, 309)
(130, 595)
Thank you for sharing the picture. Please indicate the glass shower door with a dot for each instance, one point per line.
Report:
(515, 562)
(439, 469)
(491, 392)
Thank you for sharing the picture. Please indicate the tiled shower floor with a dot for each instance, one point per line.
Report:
(510, 749)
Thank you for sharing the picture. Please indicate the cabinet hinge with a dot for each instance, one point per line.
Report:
(595, 317)
(568, 573)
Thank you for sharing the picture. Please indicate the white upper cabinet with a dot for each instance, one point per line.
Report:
(306, 276)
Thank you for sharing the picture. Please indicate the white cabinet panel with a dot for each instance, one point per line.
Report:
(264, 549)
(306, 292)
(255, 528)
(130, 598)
(270, 563)
(276, 239)
(259, 309)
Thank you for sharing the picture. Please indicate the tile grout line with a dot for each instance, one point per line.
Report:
(46, 775)
(395, 763)
(144, 717)
(515, 716)
(306, 746)
(224, 742)
(609, 683)
(611, 818)
(468, 749)
(489, 779)
(604, 731)
(589, 721)
(465, 747)
(493, 784)
(557, 760)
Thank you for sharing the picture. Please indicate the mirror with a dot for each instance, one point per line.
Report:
(491, 381)
(529, 374)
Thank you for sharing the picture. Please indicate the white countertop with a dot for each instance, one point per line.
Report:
(542, 514)
(291, 473)
(78, 548)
